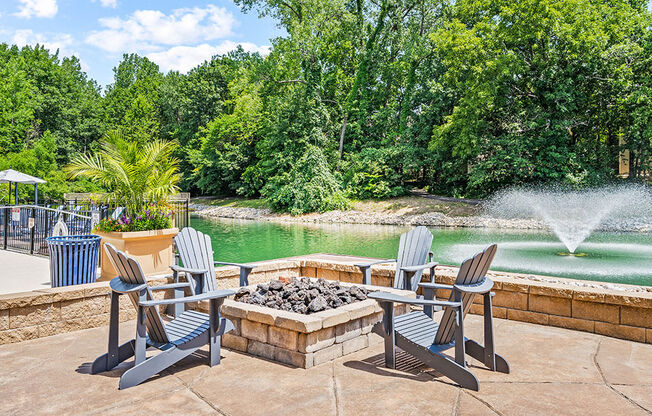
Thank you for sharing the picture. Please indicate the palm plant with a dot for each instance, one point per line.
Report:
(133, 175)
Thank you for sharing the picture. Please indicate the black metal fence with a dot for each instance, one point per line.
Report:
(24, 228)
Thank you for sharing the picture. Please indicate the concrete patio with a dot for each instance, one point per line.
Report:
(554, 371)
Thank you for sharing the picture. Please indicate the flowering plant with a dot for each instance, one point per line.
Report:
(153, 217)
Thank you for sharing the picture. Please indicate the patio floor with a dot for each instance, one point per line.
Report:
(554, 371)
(22, 272)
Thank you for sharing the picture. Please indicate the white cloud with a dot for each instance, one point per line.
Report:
(108, 3)
(151, 30)
(51, 41)
(61, 41)
(184, 58)
(37, 8)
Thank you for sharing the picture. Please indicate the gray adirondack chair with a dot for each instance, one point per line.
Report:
(196, 253)
(414, 256)
(420, 336)
(177, 339)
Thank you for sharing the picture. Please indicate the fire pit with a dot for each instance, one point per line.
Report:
(303, 295)
(312, 328)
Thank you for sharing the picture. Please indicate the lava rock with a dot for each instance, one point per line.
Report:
(243, 291)
(275, 285)
(318, 304)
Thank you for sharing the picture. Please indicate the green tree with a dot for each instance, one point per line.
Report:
(131, 174)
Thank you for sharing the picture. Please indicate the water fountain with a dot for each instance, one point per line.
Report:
(573, 215)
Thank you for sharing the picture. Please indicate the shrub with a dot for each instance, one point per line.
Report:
(151, 218)
(373, 174)
(309, 186)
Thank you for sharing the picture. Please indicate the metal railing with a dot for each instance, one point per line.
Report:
(25, 227)
(179, 206)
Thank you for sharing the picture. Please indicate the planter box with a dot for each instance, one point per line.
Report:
(152, 249)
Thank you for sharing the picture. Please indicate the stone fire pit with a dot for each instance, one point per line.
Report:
(303, 296)
(305, 339)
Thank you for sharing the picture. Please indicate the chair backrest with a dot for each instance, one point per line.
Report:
(413, 250)
(130, 272)
(196, 252)
(117, 213)
(472, 270)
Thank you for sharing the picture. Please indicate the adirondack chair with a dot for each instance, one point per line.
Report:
(196, 253)
(117, 213)
(420, 336)
(176, 339)
(414, 256)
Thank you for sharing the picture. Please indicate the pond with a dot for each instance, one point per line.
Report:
(608, 257)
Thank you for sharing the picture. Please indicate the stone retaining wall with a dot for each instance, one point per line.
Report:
(45, 312)
(623, 313)
(564, 303)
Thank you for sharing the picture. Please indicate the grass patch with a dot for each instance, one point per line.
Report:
(234, 202)
(406, 205)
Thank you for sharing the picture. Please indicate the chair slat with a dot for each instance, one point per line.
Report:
(471, 271)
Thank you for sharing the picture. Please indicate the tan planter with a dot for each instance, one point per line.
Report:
(152, 249)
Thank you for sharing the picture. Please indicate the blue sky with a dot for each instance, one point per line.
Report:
(177, 35)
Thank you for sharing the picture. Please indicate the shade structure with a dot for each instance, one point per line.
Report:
(10, 175)
(13, 176)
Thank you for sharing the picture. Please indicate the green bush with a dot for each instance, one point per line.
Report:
(310, 186)
(373, 173)
(151, 218)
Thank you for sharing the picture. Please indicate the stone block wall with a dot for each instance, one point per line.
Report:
(51, 311)
(42, 313)
(303, 340)
(584, 306)
(619, 311)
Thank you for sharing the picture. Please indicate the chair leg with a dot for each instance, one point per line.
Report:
(176, 309)
(428, 294)
(389, 334)
(125, 351)
(141, 336)
(244, 276)
(112, 358)
(109, 360)
(486, 353)
(489, 359)
(459, 339)
(214, 331)
(366, 274)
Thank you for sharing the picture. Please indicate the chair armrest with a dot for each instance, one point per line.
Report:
(119, 286)
(364, 265)
(478, 288)
(435, 286)
(170, 286)
(188, 270)
(390, 297)
(241, 265)
(215, 294)
(419, 267)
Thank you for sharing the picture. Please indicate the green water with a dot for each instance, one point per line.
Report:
(610, 257)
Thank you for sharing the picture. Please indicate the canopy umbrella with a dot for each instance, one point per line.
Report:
(13, 176)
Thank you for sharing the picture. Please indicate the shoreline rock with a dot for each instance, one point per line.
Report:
(431, 219)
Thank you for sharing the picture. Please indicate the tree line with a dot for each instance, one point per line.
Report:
(362, 99)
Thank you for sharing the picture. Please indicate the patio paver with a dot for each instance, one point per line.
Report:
(554, 371)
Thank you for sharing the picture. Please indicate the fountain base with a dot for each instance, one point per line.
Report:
(569, 254)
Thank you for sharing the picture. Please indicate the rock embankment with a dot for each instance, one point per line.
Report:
(430, 219)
